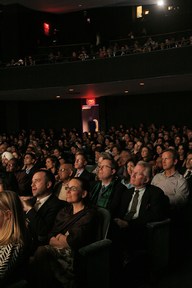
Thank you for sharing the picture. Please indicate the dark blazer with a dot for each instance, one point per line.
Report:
(87, 175)
(154, 205)
(24, 181)
(41, 222)
(114, 202)
(57, 188)
(82, 226)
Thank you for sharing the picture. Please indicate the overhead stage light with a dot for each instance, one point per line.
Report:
(160, 3)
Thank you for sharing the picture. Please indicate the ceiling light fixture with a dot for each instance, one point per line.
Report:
(160, 3)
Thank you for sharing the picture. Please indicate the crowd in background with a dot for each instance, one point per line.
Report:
(49, 171)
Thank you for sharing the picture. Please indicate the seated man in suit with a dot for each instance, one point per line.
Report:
(41, 209)
(141, 204)
(107, 191)
(80, 167)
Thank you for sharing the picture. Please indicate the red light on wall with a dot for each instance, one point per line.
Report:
(46, 28)
(90, 101)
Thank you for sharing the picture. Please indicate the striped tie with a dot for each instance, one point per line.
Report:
(133, 208)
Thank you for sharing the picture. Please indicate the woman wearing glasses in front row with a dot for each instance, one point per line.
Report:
(75, 226)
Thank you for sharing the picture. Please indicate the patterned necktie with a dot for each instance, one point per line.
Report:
(37, 205)
(188, 174)
(102, 190)
(133, 208)
(77, 174)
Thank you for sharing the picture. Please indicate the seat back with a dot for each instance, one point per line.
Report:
(159, 244)
(93, 262)
(104, 221)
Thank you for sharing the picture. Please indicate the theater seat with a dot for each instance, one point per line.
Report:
(149, 264)
(19, 284)
(93, 260)
(159, 244)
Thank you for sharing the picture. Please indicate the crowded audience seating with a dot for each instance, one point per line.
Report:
(94, 259)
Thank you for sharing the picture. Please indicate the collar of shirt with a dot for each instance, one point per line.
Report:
(43, 200)
(79, 171)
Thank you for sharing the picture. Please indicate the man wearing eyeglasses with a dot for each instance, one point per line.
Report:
(65, 173)
(107, 191)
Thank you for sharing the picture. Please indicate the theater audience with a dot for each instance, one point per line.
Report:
(75, 226)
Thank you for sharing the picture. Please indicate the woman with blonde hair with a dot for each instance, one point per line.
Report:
(13, 238)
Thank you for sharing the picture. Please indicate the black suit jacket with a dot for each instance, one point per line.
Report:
(115, 200)
(87, 175)
(41, 222)
(154, 207)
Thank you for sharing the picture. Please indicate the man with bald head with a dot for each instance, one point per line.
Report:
(65, 173)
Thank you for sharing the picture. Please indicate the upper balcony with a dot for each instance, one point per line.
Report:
(165, 70)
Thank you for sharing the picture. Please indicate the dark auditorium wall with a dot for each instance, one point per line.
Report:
(18, 32)
(164, 108)
(40, 114)
(126, 110)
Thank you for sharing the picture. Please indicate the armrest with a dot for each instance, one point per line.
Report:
(94, 247)
(158, 223)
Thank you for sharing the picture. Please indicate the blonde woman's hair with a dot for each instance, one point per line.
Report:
(13, 228)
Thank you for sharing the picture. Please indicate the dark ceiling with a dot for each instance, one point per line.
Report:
(132, 87)
(67, 6)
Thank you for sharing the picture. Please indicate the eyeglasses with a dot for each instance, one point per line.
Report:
(104, 166)
(72, 188)
(63, 169)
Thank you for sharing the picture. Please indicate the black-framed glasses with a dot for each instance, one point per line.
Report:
(72, 188)
(104, 166)
(63, 169)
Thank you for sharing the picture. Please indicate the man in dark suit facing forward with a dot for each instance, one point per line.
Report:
(41, 209)
(128, 231)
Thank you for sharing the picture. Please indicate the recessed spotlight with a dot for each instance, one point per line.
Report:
(160, 3)
(126, 91)
(141, 83)
(71, 90)
(58, 97)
